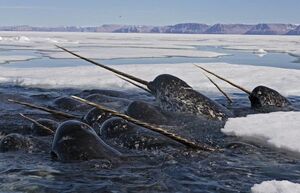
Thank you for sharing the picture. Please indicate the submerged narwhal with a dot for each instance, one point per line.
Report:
(173, 94)
(261, 97)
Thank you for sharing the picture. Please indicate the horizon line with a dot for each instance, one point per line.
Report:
(100, 25)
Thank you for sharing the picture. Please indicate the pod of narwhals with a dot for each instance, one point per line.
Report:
(171, 115)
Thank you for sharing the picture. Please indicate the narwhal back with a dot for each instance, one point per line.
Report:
(175, 95)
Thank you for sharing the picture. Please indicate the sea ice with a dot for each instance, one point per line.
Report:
(276, 187)
(286, 81)
(104, 46)
(14, 58)
(113, 53)
(279, 129)
(153, 45)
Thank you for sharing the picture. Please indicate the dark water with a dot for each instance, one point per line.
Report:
(272, 59)
(235, 169)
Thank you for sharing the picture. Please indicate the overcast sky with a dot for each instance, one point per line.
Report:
(149, 12)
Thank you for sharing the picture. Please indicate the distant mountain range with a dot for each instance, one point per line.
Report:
(182, 28)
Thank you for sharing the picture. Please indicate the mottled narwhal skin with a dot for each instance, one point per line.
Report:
(14, 142)
(95, 117)
(146, 112)
(39, 131)
(175, 95)
(77, 141)
(264, 97)
(131, 136)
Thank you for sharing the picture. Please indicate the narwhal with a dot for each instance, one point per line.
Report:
(77, 141)
(261, 97)
(173, 94)
(188, 143)
(16, 141)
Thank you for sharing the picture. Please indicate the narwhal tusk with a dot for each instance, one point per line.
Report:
(162, 131)
(55, 112)
(229, 82)
(217, 86)
(106, 67)
(37, 123)
(131, 82)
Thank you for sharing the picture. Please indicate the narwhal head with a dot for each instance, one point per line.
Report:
(77, 141)
(166, 83)
(262, 96)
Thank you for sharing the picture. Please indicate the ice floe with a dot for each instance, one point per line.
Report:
(15, 39)
(154, 45)
(279, 129)
(286, 81)
(15, 58)
(105, 46)
(113, 53)
(260, 52)
(276, 187)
